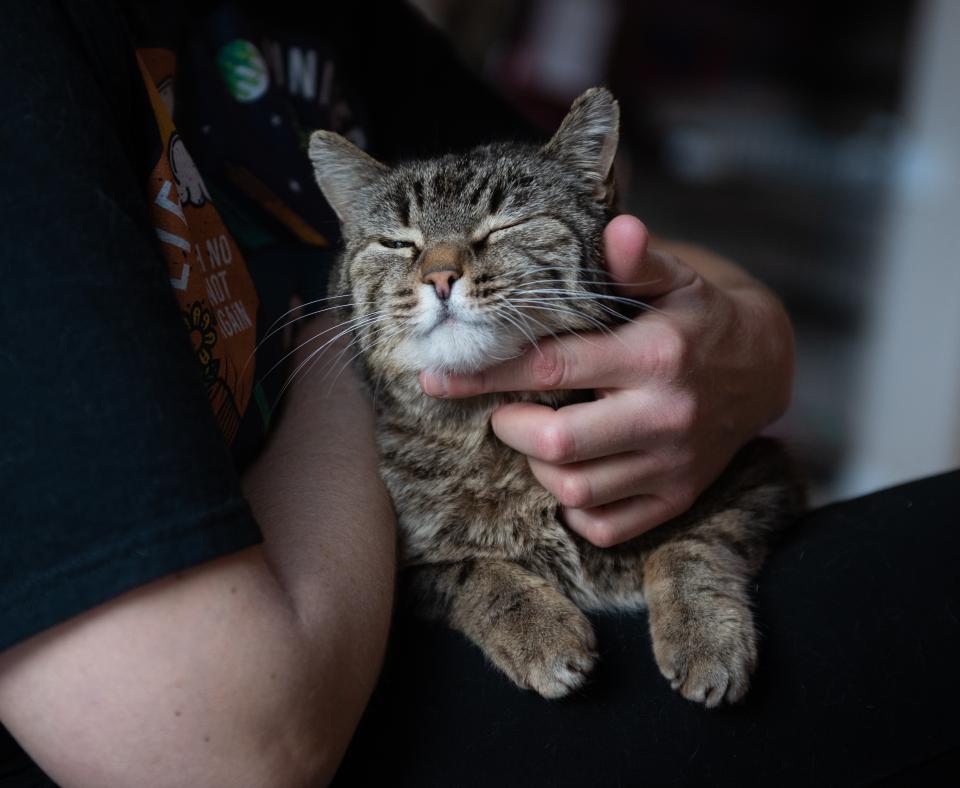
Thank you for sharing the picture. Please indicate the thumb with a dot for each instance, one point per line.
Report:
(638, 270)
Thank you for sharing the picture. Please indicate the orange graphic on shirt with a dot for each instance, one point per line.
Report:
(208, 274)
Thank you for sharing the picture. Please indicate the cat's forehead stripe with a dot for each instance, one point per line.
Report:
(496, 198)
(480, 189)
(418, 194)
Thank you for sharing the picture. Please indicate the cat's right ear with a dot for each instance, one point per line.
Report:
(342, 171)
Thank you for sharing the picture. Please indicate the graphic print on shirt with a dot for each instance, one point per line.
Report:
(207, 271)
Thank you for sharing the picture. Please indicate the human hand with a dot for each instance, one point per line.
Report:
(678, 391)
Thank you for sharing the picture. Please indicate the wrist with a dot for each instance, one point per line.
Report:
(770, 339)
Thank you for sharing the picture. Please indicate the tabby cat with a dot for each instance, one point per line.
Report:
(455, 264)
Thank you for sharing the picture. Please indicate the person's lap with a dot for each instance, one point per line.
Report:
(858, 614)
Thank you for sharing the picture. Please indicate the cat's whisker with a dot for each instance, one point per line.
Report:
(541, 304)
(499, 317)
(527, 317)
(305, 305)
(351, 323)
(373, 330)
(521, 327)
(577, 279)
(273, 330)
(558, 305)
(349, 361)
(312, 356)
(605, 328)
(571, 273)
(589, 296)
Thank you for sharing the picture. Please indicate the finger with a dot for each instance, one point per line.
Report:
(571, 362)
(640, 271)
(584, 431)
(606, 526)
(585, 485)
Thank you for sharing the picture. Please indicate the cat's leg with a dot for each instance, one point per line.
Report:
(697, 574)
(701, 623)
(522, 622)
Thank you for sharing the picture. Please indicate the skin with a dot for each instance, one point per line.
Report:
(678, 391)
(252, 670)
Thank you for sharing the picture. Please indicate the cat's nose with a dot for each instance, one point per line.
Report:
(442, 282)
(441, 266)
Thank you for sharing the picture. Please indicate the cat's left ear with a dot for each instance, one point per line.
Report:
(342, 171)
(587, 140)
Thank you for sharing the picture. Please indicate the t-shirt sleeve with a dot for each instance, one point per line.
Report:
(422, 98)
(419, 98)
(112, 469)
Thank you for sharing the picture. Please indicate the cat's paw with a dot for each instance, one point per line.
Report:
(710, 664)
(565, 663)
(555, 655)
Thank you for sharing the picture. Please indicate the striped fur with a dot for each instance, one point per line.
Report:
(481, 539)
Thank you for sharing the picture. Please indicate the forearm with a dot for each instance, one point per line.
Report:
(328, 528)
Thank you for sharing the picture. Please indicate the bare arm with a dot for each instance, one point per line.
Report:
(252, 670)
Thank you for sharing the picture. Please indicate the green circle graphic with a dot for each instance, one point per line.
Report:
(244, 70)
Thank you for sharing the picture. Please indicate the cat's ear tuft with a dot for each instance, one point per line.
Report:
(587, 140)
(343, 171)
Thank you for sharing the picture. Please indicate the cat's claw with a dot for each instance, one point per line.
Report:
(563, 676)
(561, 657)
(708, 670)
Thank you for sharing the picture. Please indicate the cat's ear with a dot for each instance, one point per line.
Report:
(587, 140)
(342, 171)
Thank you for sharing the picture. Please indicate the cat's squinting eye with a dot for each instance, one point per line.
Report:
(392, 243)
(481, 242)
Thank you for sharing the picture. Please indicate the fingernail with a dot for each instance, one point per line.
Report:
(434, 384)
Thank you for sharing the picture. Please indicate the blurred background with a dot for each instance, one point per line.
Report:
(817, 144)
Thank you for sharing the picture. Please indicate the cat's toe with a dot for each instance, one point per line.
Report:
(708, 670)
(564, 664)
(706, 684)
(564, 675)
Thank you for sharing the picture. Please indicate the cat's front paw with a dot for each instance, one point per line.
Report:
(566, 661)
(553, 655)
(708, 664)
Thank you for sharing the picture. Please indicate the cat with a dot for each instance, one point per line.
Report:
(455, 264)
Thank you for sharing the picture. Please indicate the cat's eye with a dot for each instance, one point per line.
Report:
(393, 243)
(502, 227)
(480, 244)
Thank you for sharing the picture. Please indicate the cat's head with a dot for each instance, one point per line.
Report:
(458, 263)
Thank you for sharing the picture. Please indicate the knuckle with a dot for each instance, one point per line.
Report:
(548, 368)
(683, 413)
(573, 490)
(671, 352)
(555, 444)
(602, 533)
(684, 460)
(679, 500)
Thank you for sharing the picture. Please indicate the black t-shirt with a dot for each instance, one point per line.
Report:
(157, 215)
(145, 253)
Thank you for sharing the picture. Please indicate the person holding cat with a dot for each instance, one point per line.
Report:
(197, 575)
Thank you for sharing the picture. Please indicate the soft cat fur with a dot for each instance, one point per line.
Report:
(456, 263)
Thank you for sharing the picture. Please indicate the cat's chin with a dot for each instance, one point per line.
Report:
(457, 348)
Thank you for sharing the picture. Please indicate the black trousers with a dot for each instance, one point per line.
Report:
(859, 615)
